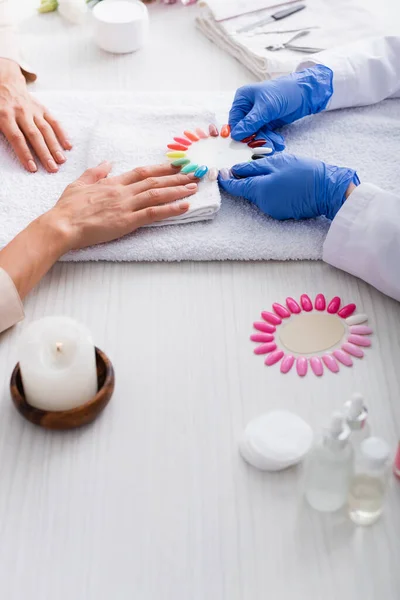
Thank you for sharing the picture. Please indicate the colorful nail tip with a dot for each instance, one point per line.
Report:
(213, 129)
(302, 366)
(213, 174)
(274, 357)
(189, 168)
(306, 303)
(330, 363)
(357, 319)
(320, 302)
(249, 138)
(202, 134)
(343, 357)
(334, 305)
(180, 162)
(271, 318)
(225, 131)
(317, 366)
(264, 150)
(264, 327)
(262, 337)
(287, 363)
(281, 311)
(347, 311)
(183, 141)
(265, 348)
(176, 154)
(361, 329)
(353, 350)
(177, 147)
(359, 340)
(293, 306)
(192, 137)
(257, 157)
(201, 171)
(225, 174)
(257, 143)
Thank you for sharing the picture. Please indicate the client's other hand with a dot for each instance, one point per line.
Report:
(292, 187)
(95, 209)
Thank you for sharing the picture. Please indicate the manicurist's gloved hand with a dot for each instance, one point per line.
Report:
(260, 108)
(291, 187)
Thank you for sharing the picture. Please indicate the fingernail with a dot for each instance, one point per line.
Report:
(52, 165)
(31, 166)
(224, 174)
(183, 205)
(60, 156)
(68, 144)
(191, 186)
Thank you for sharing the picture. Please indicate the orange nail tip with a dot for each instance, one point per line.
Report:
(192, 136)
(225, 131)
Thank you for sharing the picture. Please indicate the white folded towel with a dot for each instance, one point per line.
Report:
(133, 136)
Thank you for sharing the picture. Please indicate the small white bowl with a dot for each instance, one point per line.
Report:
(120, 26)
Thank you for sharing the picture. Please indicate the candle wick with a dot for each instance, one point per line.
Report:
(59, 346)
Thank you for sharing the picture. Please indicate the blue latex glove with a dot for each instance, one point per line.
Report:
(291, 187)
(262, 107)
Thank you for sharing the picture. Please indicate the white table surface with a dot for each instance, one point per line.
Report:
(153, 500)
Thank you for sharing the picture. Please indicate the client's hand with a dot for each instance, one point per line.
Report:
(26, 123)
(260, 108)
(93, 210)
(292, 187)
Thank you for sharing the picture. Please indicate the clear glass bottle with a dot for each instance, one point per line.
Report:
(329, 468)
(356, 415)
(368, 488)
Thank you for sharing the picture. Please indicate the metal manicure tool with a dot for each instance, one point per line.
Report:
(289, 46)
(282, 14)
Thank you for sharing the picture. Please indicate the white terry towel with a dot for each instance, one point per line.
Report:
(136, 136)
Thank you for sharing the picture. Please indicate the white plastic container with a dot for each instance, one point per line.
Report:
(120, 26)
(356, 415)
(330, 467)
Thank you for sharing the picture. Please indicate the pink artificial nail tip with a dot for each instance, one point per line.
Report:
(287, 363)
(302, 366)
(202, 134)
(330, 363)
(262, 337)
(281, 311)
(264, 327)
(265, 348)
(274, 357)
(343, 357)
(183, 141)
(361, 329)
(271, 318)
(306, 303)
(316, 365)
(359, 340)
(353, 350)
(320, 302)
(334, 305)
(347, 311)
(293, 306)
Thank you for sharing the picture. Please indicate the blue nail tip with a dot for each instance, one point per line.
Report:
(201, 171)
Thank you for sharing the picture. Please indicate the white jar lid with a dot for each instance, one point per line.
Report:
(376, 451)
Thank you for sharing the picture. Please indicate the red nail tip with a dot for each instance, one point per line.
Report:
(320, 302)
(177, 147)
(183, 141)
(347, 311)
(262, 337)
(271, 318)
(281, 311)
(306, 303)
(287, 363)
(192, 137)
(264, 327)
(302, 366)
(257, 143)
(248, 139)
(293, 306)
(213, 130)
(225, 131)
(353, 350)
(274, 357)
(334, 305)
(359, 340)
(317, 366)
(265, 348)
(330, 363)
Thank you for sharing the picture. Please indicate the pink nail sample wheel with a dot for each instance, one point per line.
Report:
(314, 337)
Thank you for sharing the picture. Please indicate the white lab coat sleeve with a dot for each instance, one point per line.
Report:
(364, 238)
(364, 72)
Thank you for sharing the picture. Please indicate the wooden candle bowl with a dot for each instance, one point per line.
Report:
(75, 417)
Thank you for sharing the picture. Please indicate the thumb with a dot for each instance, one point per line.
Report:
(255, 168)
(237, 187)
(94, 174)
(249, 125)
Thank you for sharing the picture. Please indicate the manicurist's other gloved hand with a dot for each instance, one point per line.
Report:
(285, 186)
(261, 108)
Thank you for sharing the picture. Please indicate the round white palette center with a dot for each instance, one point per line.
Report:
(219, 152)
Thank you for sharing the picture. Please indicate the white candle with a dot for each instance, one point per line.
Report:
(120, 26)
(58, 364)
